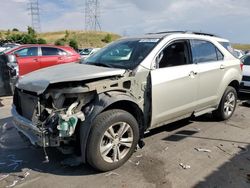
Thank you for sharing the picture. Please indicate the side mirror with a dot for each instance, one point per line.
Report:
(17, 55)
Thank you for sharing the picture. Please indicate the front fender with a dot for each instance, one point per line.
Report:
(101, 102)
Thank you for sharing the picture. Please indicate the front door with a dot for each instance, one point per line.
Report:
(28, 60)
(174, 84)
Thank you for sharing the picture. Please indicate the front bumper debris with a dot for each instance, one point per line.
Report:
(26, 127)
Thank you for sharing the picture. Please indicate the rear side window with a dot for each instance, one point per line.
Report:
(48, 51)
(204, 51)
(27, 52)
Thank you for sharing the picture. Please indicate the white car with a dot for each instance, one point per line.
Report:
(102, 107)
(8, 46)
(238, 53)
(85, 53)
(245, 83)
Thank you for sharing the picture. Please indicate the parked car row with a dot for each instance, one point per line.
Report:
(23, 59)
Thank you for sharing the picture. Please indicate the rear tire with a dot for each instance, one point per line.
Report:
(112, 140)
(227, 104)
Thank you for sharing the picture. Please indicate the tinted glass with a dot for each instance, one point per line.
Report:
(62, 52)
(203, 51)
(174, 55)
(127, 53)
(246, 60)
(27, 52)
(50, 51)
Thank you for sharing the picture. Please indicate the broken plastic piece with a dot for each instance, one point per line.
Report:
(46, 159)
(13, 184)
(139, 156)
(243, 149)
(112, 173)
(68, 121)
(185, 166)
(3, 177)
(203, 150)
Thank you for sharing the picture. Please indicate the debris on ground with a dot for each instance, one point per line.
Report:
(244, 149)
(185, 166)
(203, 150)
(13, 184)
(20, 178)
(197, 129)
(219, 147)
(139, 156)
(248, 178)
(112, 173)
(135, 163)
(3, 177)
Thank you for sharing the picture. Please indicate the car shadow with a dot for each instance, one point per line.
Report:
(233, 173)
(169, 127)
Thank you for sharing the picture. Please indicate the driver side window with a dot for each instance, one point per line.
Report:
(175, 54)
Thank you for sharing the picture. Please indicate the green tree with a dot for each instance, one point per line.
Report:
(66, 37)
(73, 43)
(41, 41)
(60, 42)
(107, 38)
(31, 32)
(15, 29)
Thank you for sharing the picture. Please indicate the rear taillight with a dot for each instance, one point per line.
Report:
(241, 66)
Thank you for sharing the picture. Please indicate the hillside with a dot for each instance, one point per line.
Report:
(83, 38)
(241, 46)
(87, 39)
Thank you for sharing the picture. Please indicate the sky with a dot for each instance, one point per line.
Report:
(227, 18)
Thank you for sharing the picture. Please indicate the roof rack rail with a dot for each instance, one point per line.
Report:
(188, 32)
(166, 32)
(202, 33)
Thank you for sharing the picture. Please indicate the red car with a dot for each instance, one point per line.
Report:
(34, 56)
(20, 60)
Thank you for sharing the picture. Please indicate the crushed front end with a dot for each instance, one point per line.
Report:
(50, 119)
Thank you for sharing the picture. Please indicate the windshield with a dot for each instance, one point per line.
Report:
(125, 54)
(246, 60)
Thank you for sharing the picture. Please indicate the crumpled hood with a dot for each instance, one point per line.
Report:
(38, 81)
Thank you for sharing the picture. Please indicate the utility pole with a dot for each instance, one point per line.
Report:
(92, 15)
(35, 15)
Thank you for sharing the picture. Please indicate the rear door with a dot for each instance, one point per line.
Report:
(211, 69)
(28, 60)
(51, 56)
(174, 83)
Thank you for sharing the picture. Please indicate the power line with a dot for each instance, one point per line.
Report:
(35, 14)
(92, 15)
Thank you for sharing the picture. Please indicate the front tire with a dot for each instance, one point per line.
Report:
(227, 104)
(112, 140)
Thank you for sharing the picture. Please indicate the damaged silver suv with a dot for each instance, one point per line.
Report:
(100, 109)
